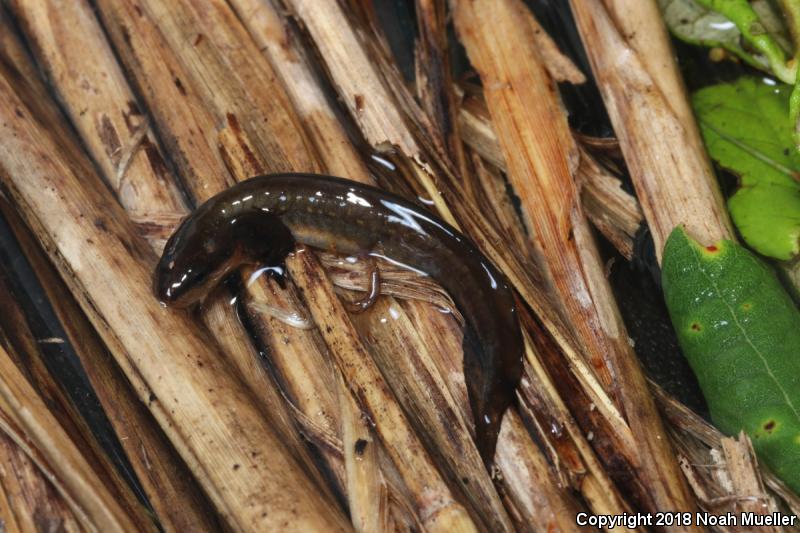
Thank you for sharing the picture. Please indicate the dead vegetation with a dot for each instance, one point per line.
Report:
(233, 419)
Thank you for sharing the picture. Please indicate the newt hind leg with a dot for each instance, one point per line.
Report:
(373, 289)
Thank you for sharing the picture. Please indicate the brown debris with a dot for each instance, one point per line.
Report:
(539, 162)
(286, 409)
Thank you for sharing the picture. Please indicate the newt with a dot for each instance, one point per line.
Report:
(260, 220)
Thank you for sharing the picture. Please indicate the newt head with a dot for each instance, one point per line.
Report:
(195, 259)
(208, 245)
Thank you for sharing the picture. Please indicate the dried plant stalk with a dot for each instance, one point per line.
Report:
(27, 421)
(648, 107)
(416, 370)
(28, 501)
(338, 63)
(434, 81)
(559, 66)
(361, 95)
(201, 422)
(477, 130)
(302, 367)
(518, 461)
(544, 509)
(521, 97)
(169, 486)
(740, 461)
(571, 453)
(366, 488)
(356, 80)
(30, 356)
(279, 42)
(367, 492)
(702, 446)
(647, 35)
(492, 196)
(612, 210)
(294, 359)
(176, 499)
(397, 351)
(192, 139)
(219, 317)
(215, 47)
(19, 335)
(115, 130)
(184, 125)
(12, 49)
(493, 244)
(147, 192)
(439, 511)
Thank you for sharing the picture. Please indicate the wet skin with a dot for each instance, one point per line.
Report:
(260, 221)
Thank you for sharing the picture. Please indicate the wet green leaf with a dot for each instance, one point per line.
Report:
(747, 129)
(740, 331)
(754, 31)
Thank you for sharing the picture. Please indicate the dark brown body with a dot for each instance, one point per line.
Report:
(261, 219)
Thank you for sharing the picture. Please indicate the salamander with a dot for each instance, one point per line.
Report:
(260, 220)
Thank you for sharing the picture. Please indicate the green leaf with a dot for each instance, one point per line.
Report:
(754, 31)
(747, 129)
(740, 332)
